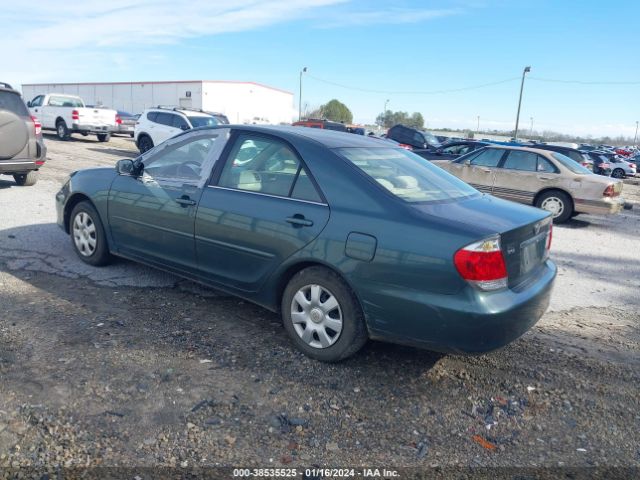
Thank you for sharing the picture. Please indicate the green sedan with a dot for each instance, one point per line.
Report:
(349, 238)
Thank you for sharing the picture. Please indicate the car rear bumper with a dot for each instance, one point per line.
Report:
(80, 127)
(599, 207)
(470, 322)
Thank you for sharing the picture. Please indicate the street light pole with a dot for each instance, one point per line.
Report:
(524, 72)
(478, 129)
(300, 95)
(635, 138)
(384, 114)
(531, 131)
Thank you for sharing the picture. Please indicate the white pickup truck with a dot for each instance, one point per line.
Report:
(67, 114)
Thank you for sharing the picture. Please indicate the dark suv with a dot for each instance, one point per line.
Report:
(418, 139)
(22, 150)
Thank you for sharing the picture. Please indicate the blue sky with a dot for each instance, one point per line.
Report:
(383, 46)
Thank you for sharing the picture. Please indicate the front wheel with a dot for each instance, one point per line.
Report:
(558, 203)
(104, 137)
(618, 173)
(26, 179)
(322, 315)
(87, 235)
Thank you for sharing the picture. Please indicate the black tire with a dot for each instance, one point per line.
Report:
(100, 255)
(131, 135)
(62, 132)
(144, 143)
(557, 197)
(618, 173)
(104, 137)
(26, 179)
(354, 333)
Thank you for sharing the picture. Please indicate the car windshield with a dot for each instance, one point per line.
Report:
(570, 164)
(203, 121)
(431, 139)
(407, 175)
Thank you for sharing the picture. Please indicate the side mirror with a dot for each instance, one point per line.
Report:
(467, 163)
(185, 127)
(126, 167)
(29, 104)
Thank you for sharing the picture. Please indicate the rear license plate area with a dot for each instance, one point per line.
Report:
(532, 253)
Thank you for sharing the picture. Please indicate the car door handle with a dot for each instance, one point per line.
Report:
(486, 170)
(300, 221)
(185, 201)
(544, 179)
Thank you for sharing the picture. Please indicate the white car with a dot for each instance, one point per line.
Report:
(156, 125)
(622, 167)
(67, 114)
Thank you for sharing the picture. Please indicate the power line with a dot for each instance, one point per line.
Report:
(432, 92)
(583, 82)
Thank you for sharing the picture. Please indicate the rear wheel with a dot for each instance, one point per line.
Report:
(87, 235)
(618, 173)
(322, 315)
(104, 137)
(144, 143)
(26, 179)
(62, 131)
(558, 203)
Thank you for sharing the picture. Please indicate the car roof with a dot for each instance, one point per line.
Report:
(328, 138)
(524, 149)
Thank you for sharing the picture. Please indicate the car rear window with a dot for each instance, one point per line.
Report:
(13, 102)
(407, 175)
(570, 164)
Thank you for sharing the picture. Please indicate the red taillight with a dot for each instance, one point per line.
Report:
(37, 125)
(610, 191)
(118, 120)
(482, 264)
(75, 115)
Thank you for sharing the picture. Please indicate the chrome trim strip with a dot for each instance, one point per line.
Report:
(267, 195)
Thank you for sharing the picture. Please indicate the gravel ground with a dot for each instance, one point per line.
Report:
(128, 366)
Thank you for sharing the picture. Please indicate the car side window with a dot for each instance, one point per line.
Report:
(165, 119)
(265, 165)
(179, 122)
(545, 165)
(152, 116)
(183, 161)
(488, 158)
(521, 160)
(37, 102)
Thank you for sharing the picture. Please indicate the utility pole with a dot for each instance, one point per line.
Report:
(524, 72)
(300, 95)
(635, 138)
(478, 128)
(384, 114)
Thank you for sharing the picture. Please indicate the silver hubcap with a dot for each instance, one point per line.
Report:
(84, 234)
(316, 316)
(60, 129)
(617, 174)
(553, 205)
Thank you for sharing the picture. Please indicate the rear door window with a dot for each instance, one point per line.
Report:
(13, 102)
(165, 119)
(152, 116)
(521, 160)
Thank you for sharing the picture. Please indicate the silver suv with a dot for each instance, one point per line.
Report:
(158, 124)
(22, 149)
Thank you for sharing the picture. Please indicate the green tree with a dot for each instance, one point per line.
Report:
(336, 111)
(416, 120)
(388, 119)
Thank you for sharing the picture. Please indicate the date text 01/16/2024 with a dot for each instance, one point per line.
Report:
(315, 473)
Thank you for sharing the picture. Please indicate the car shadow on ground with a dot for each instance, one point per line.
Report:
(117, 152)
(7, 184)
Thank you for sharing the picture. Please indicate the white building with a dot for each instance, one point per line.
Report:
(241, 102)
